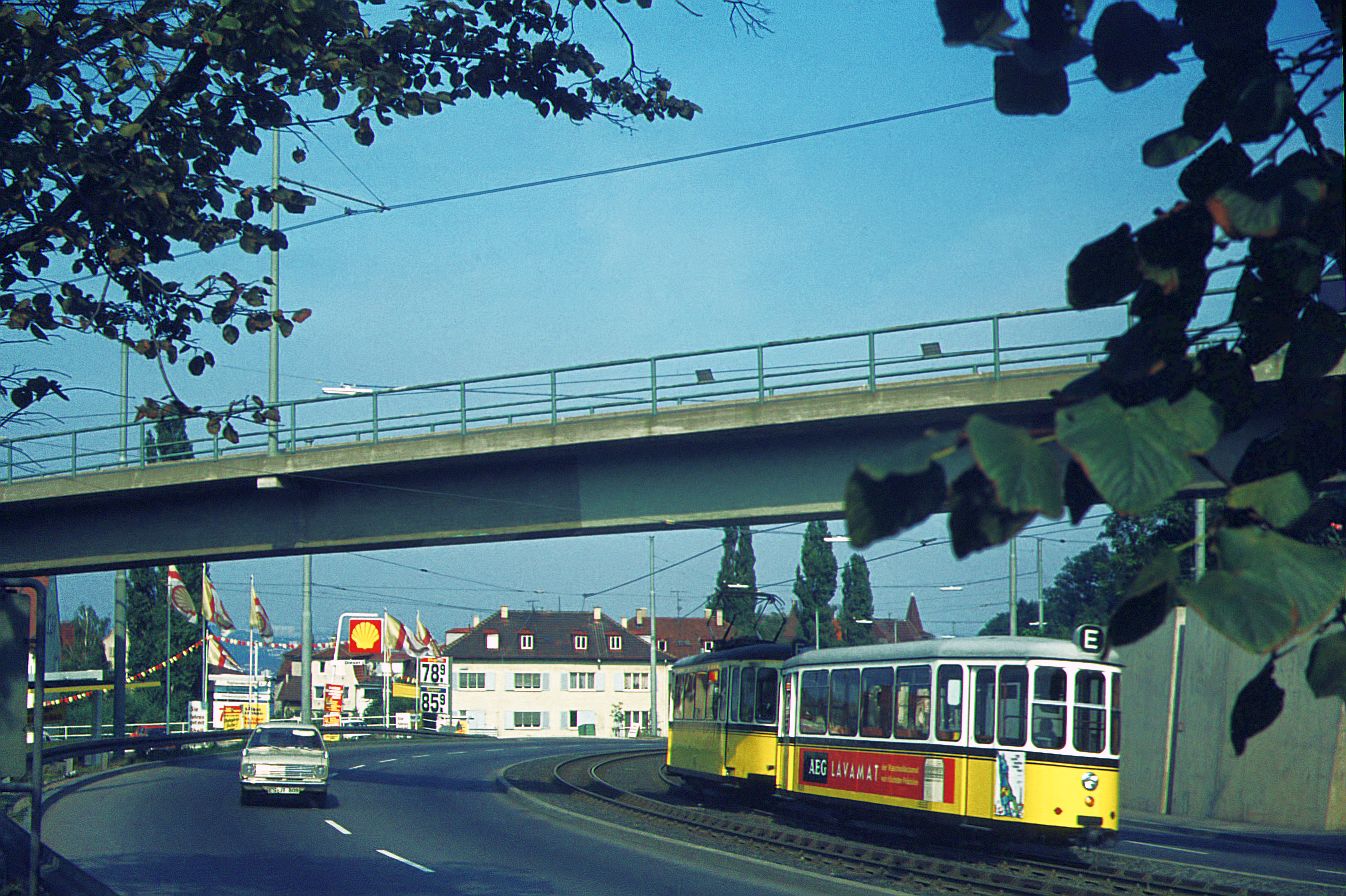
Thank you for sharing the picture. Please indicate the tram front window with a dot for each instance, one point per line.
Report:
(1090, 711)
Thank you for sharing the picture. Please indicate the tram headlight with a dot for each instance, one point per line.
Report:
(1089, 781)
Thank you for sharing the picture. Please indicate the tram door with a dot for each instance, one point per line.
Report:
(784, 735)
(979, 780)
(727, 702)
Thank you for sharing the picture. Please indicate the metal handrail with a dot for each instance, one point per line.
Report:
(652, 385)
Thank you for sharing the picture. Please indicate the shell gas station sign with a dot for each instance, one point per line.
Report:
(365, 636)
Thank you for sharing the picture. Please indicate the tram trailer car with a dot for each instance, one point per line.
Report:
(1019, 736)
(724, 718)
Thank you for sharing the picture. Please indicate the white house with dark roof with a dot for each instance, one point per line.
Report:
(522, 673)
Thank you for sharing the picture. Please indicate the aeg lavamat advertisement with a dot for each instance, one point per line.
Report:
(926, 778)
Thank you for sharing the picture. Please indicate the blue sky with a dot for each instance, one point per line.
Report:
(940, 215)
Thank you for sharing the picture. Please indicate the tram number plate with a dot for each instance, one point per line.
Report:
(815, 767)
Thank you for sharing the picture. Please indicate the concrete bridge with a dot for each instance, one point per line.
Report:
(751, 434)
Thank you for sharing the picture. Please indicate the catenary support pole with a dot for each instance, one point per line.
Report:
(306, 644)
(654, 654)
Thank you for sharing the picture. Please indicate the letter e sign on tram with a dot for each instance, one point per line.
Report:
(1090, 638)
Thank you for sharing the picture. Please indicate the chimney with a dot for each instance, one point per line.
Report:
(504, 612)
(476, 621)
(598, 614)
(707, 614)
(640, 616)
(624, 621)
(719, 617)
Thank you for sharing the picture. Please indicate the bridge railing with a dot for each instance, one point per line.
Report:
(993, 346)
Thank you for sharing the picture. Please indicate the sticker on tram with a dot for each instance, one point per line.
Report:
(928, 778)
(1009, 785)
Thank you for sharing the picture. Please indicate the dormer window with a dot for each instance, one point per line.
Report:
(707, 646)
(526, 641)
(581, 642)
(614, 642)
(661, 645)
(493, 640)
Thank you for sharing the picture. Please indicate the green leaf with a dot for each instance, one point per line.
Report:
(1221, 164)
(1147, 601)
(976, 521)
(1317, 343)
(1279, 500)
(1197, 418)
(1241, 215)
(1326, 673)
(1027, 477)
(1262, 110)
(130, 129)
(1136, 457)
(229, 333)
(1172, 146)
(1105, 271)
(879, 504)
(1257, 706)
(1268, 588)
(1019, 91)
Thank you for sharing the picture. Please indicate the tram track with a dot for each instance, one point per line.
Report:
(602, 782)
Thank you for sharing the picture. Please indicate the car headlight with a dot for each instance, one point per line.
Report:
(1089, 781)
(249, 769)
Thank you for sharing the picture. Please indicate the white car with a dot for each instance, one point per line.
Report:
(284, 758)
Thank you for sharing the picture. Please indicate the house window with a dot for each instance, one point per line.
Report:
(472, 681)
(527, 681)
(492, 640)
(528, 720)
(614, 642)
(635, 681)
(581, 681)
(526, 641)
(661, 645)
(573, 718)
(707, 646)
(581, 642)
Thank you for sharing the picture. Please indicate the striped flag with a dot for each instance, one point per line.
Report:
(398, 638)
(258, 621)
(179, 596)
(212, 607)
(423, 635)
(218, 657)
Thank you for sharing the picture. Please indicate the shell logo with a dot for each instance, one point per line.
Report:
(365, 636)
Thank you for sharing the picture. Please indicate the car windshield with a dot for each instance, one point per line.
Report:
(285, 737)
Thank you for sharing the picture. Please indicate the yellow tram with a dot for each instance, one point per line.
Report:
(1018, 735)
(723, 724)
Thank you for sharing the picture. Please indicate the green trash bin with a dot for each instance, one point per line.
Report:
(588, 730)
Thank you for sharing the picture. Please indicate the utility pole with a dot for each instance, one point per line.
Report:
(654, 654)
(1014, 586)
(273, 368)
(119, 580)
(1041, 620)
(306, 644)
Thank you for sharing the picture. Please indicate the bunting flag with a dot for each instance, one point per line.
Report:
(179, 596)
(423, 635)
(138, 676)
(258, 621)
(212, 607)
(218, 657)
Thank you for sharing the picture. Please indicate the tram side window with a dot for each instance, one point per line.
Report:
(1013, 706)
(1116, 729)
(843, 704)
(1049, 708)
(983, 706)
(912, 718)
(1090, 711)
(702, 695)
(813, 702)
(876, 702)
(949, 717)
(716, 707)
(732, 685)
(766, 696)
(747, 693)
(679, 688)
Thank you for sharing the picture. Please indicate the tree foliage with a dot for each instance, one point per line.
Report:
(816, 585)
(149, 642)
(85, 650)
(1133, 433)
(736, 582)
(857, 602)
(119, 123)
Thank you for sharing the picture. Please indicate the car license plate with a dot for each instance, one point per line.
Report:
(283, 790)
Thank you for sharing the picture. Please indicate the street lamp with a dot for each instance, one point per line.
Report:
(347, 389)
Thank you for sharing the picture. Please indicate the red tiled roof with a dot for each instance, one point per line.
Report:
(553, 638)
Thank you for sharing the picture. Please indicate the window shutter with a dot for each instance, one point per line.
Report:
(509, 719)
(598, 681)
(565, 681)
(546, 720)
(546, 681)
(509, 682)
(490, 681)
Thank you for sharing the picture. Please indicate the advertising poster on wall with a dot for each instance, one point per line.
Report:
(882, 774)
(331, 709)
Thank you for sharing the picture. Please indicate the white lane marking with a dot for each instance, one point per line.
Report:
(1196, 852)
(1329, 871)
(354, 767)
(338, 827)
(501, 750)
(395, 857)
(382, 761)
(421, 756)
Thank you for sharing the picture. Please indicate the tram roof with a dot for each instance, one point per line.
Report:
(994, 647)
(759, 650)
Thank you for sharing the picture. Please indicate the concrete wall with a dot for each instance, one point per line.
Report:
(1291, 775)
